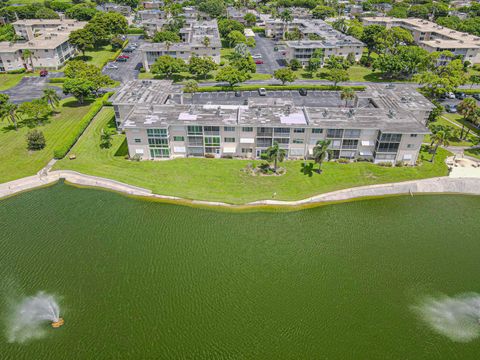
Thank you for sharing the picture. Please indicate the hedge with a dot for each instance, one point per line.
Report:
(135, 31)
(469, 91)
(58, 80)
(19, 71)
(279, 87)
(61, 150)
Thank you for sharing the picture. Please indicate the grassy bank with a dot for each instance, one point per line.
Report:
(225, 179)
(8, 81)
(16, 161)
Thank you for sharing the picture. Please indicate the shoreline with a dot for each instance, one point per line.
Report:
(437, 185)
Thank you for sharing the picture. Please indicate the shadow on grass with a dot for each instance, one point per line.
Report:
(75, 103)
(122, 149)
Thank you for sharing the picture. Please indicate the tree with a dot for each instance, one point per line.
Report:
(226, 26)
(244, 64)
(347, 94)
(167, 66)
(442, 79)
(338, 75)
(313, 65)
(77, 69)
(191, 87)
(9, 112)
(295, 64)
(116, 42)
(206, 41)
(201, 66)
(468, 108)
(105, 139)
(50, 96)
(82, 40)
(340, 25)
(250, 19)
(286, 17)
(231, 75)
(235, 37)
(27, 55)
(439, 138)
(276, 154)
(474, 80)
(81, 12)
(320, 152)
(36, 109)
(35, 140)
(323, 12)
(46, 13)
(404, 63)
(336, 62)
(79, 88)
(162, 36)
(370, 36)
(214, 8)
(113, 23)
(285, 75)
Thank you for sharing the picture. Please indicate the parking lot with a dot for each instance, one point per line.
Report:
(272, 60)
(313, 98)
(128, 70)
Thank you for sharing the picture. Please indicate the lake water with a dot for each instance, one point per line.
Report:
(137, 279)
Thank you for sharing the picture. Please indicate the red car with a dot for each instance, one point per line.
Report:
(259, 62)
(124, 56)
(43, 73)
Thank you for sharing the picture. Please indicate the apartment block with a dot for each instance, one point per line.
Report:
(383, 124)
(199, 37)
(47, 40)
(433, 37)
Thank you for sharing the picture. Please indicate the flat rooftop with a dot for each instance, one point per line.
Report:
(145, 92)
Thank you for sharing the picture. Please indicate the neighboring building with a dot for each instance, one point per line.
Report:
(384, 124)
(147, 5)
(333, 42)
(146, 15)
(125, 10)
(433, 37)
(193, 43)
(47, 40)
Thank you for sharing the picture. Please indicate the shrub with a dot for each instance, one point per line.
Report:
(209, 156)
(385, 163)
(343, 161)
(59, 80)
(61, 150)
(399, 163)
(258, 30)
(19, 71)
(35, 140)
(279, 87)
(135, 31)
(136, 157)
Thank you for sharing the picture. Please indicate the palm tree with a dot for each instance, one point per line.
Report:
(286, 17)
(347, 94)
(51, 97)
(320, 152)
(206, 41)
(276, 154)
(168, 45)
(468, 109)
(9, 112)
(440, 138)
(191, 86)
(27, 55)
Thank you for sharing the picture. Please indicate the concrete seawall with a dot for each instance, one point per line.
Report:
(437, 185)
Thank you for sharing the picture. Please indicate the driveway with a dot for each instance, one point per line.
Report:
(272, 60)
(31, 87)
(128, 70)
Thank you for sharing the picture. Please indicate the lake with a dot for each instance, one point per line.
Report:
(135, 279)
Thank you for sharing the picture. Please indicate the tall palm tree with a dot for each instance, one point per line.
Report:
(320, 152)
(206, 41)
(286, 17)
(440, 138)
(51, 97)
(276, 154)
(347, 94)
(191, 86)
(468, 109)
(9, 112)
(27, 55)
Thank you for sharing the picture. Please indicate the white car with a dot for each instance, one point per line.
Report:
(262, 92)
(451, 95)
(257, 56)
(111, 66)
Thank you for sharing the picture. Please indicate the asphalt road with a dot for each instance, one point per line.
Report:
(31, 87)
(272, 60)
(128, 70)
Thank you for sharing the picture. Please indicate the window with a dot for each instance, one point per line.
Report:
(410, 146)
(351, 134)
(387, 147)
(195, 141)
(156, 142)
(264, 131)
(298, 141)
(212, 141)
(157, 132)
(317, 131)
(279, 131)
(413, 135)
(159, 153)
(334, 133)
(247, 129)
(299, 130)
(229, 128)
(349, 144)
(211, 130)
(281, 140)
(247, 150)
(194, 130)
(391, 137)
(138, 140)
(229, 139)
(178, 138)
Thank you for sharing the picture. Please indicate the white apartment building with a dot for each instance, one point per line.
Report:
(433, 37)
(193, 37)
(47, 40)
(383, 124)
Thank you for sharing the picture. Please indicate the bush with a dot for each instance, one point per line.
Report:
(61, 150)
(279, 87)
(258, 30)
(399, 163)
(59, 80)
(343, 161)
(135, 31)
(35, 140)
(209, 156)
(19, 71)
(385, 163)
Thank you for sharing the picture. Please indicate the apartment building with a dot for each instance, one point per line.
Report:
(316, 34)
(47, 41)
(199, 37)
(433, 37)
(383, 124)
(125, 10)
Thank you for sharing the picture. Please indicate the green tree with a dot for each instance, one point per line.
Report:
(231, 75)
(77, 69)
(79, 88)
(404, 63)
(105, 139)
(51, 97)
(162, 36)
(82, 40)
(347, 94)
(439, 138)
(285, 75)
(235, 37)
(46, 13)
(35, 140)
(214, 8)
(295, 64)
(81, 12)
(244, 64)
(474, 80)
(250, 19)
(320, 152)
(323, 12)
(468, 108)
(206, 41)
(338, 75)
(226, 26)
(201, 66)
(36, 109)
(370, 36)
(336, 62)
(286, 17)
(27, 56)
(191, 87)
(442, 79)
(313, 65)
(276, 154)
(167, 66)
(9, 112)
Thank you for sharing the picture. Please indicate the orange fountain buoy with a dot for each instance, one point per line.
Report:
(57, 324)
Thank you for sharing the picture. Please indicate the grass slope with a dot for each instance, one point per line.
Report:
(16, 161)
(8, 81)
(224, 179)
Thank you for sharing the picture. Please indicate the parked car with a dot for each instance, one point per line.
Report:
(111, 66)
(43, 73)
(258, 61)
(257, 56)
(262, 92)
(238, 93)
(124, 56)
(450, 95)
(122, 59)
(450, 108)
(460, 95)
(476, 96)
(128, 49)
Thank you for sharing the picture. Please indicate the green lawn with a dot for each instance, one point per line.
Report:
(16, 161)
(458, 119)
(97, 57)
(455, 141)
(224, 179)
(8, 81)
(473, 152)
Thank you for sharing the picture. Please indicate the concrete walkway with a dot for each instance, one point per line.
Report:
(434, 185)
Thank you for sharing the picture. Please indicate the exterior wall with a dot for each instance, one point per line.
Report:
(149, 56)
(304, 54)
(10, 61)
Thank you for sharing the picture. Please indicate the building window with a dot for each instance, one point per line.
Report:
(212, 141)
(229, 139)
(194, 130)
(413, 135)
(351, 134)
(211, 130)
(157, 132)
(178, 138)
(279, 131)
(247, 129)
(247, 150)
(159, 153)
(229, 128)
(410, 146)
(334, 133)
(138, 140)
(317, 131)
(349, 144)
(298, 141)
(299, 130)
